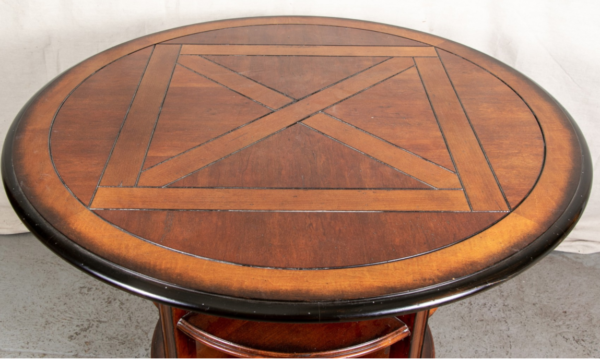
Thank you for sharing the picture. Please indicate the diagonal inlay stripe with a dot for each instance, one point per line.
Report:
(402, 160)
(128, 155)
(201, 156)
(266, 50)
(477, 177)
(235, 81)
(280, 200)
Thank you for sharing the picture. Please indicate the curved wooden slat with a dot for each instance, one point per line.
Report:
(399, 332)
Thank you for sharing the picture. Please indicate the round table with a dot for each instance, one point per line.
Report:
(296, 186)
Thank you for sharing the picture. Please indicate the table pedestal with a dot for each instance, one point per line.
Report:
(204, 336)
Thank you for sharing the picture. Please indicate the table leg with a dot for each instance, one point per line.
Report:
(168, 330)
(418, 334)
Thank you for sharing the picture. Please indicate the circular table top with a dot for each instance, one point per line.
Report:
(295, 168)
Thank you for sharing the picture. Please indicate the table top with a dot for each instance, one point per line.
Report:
(297, 168)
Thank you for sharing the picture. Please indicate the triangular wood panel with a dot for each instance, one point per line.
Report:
(296, 76)
(301, 239)
(398, 111)
(294, 35)
(89, 122)
(299, 157)
(508, 131)
(196, 110)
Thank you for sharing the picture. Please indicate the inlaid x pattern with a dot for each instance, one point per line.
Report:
(125, 186)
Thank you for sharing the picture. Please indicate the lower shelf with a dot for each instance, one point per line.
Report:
(206, 336)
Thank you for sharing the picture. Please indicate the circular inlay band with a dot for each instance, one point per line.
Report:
(297, 159)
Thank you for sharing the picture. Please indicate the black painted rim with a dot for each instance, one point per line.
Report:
(288, 311)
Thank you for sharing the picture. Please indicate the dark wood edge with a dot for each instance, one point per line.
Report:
(329, 311)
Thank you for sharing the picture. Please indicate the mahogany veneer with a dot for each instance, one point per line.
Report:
(296, 169)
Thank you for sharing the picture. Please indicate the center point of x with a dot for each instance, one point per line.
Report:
(201, 156)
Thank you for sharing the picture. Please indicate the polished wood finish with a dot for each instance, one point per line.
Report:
(275, 336)
(503, 123)
(195, 111)
(404, 161)
(418, 334)
(318, 246)
(235, 81)
(107, 98)
(280, 199)
(287, 74)
(477, 177)
(298, 157)
(168, 330)
(265, 50)
(550, 198)
(377, 111)
(263, 339)
(198, 157)
(130, 149)
(295, 33)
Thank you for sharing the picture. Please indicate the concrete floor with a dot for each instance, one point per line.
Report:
(50, 309)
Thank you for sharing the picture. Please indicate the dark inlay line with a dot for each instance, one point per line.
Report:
(283, 188)
(313, 211)
(295, 45)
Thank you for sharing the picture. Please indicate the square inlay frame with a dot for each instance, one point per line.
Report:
(124, 185)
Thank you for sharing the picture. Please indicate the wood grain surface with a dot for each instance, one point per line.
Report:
(298, 157)
(130, 149)
(398, 111)
(387, 161)
(195, 111)
(219, 148)
(418, 167)
(503, 124)
(287, 74)
(295, 34)
(106, 99)
(328, 239)
(280, 199)
(274, 50)
(235, 81)
(475, 173)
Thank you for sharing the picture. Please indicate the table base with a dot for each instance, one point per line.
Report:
(196, 336)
